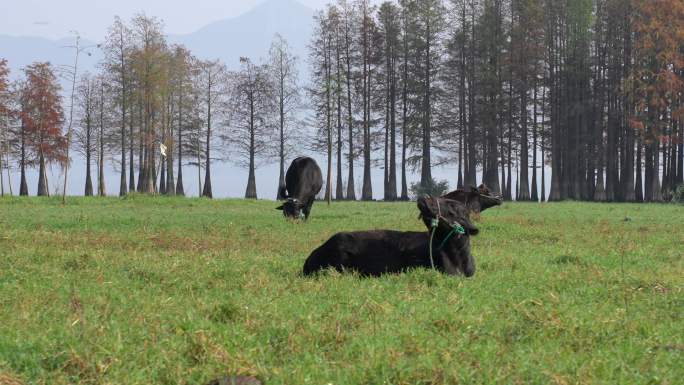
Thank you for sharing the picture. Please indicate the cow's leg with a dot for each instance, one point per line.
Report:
(307, 208)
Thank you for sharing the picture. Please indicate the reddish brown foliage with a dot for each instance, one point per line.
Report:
(42, 112)
(659, 60)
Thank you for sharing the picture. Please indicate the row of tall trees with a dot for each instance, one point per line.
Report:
(151, 109)
(504, 89)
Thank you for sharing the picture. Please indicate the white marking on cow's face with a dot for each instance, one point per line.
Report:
(293, 208)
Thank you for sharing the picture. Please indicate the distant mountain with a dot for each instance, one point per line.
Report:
(21, 51)
(251, 33)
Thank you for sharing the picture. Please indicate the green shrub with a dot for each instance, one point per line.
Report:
(432, 188)
(678, 195)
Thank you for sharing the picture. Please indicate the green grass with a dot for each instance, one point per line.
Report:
(179, 291)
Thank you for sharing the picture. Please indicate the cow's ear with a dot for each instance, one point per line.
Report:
(280, 208)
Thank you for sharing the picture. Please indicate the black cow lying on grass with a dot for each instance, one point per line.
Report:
(385, 251)
(478, 199)
(303, 181)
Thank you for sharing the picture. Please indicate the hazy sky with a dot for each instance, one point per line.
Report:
(55, 18)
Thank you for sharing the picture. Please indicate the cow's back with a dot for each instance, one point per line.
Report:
(304, 178)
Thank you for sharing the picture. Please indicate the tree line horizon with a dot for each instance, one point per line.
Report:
(503, 89)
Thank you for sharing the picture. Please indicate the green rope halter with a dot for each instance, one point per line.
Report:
(456, 228)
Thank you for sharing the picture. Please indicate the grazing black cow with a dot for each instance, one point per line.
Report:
(303, 181)
(477, 199)
(385, 251)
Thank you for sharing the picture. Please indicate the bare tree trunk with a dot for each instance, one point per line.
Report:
(426, 167)
(170, 178)
(281, 179)
(199, 163)
(23, 186)
(523, 182)
(131, 146)
(638, 186)
(657, 195)
(250, 192)
(506, 151)
(470, 177)
(207, 192)
(88, 181)
(281, 159)
(162, 158)
(9, 180)
(100, 160)
(351, 191)
(392, 183)
(7, 162)
(328, 116)
(542, 192)
(554, 88)
(367, 188)
(42, 177)
(600, 190)
(123, 187)
(680, 156)
(459, 178)
(179, 183)
(47, 185)
(142, 159)
(385, 176)
(281, 155)
(339, 191)
(152, 168)
(404, 123)
(535, 192)
(149, 185)
(162, 174)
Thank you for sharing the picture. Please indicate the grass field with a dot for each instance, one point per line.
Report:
(180, 291)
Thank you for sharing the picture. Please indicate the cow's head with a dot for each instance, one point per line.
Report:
(477, 199)
(292, 208)
(452, 230)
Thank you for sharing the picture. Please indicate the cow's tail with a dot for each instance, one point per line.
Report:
(282, 192)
